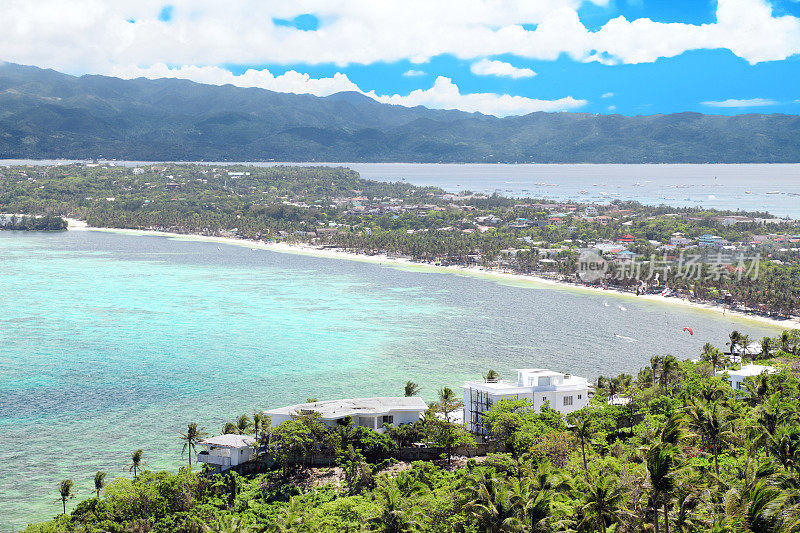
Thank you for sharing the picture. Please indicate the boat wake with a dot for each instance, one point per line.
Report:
(622, 308)
(624, 338)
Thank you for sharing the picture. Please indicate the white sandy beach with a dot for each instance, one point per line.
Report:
(402, 262)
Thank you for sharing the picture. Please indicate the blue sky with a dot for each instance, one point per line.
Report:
(497, 57)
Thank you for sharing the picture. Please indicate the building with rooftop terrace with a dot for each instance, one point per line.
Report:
(737, 378)
(371, 413)
(563, 392)
(224, 451)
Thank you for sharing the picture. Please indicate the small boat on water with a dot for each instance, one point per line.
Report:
(773, 192)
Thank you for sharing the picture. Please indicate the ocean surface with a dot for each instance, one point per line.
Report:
(112, 342)
(754, 187)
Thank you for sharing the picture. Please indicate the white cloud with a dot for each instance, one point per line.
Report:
(607, 95)
(732, 102)
(94, 35)
(446, 95)
(288, 82)
(413, 73)
(612, 108)
(487, 67)
(443, 95)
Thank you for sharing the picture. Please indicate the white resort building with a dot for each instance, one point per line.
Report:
(371, 413)
(737, 377)
(564, 392)
(224, 451)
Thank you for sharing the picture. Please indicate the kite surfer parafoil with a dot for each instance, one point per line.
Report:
(689, 330)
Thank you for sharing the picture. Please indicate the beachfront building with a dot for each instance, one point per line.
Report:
(224, 451)
(737, 378)
(371, 413)
(563, 392)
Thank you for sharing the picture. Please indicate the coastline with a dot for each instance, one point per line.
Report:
(475, 271)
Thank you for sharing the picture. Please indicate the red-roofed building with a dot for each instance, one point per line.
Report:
(626, 238)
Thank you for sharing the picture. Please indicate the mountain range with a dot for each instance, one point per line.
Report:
(46, 114)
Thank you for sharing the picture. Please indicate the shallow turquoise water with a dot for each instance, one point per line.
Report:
(113, 342)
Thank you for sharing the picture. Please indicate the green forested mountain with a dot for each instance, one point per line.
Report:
(46, 114)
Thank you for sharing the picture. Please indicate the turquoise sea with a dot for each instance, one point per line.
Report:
(112, 342)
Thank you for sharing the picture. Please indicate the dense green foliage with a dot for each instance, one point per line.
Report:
(45, 114)
(30, 223)
(686, 453)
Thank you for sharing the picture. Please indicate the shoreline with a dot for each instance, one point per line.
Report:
(474, 271)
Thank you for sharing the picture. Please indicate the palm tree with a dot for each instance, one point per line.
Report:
(448, 402)
(660, 468)
(735, 341)
(230, 428)
(766, 347)
(136, 464)
(490, 503)
(583, 434)
(411, 389)
(744, 343)
(713, 356)
(784, 339)
(99, 482)
(393, 517)
(65, 492)
(291, 518)
(533, 506)
(669, 368)
(190, 439)
(655, 366)
(603, 501)
(243, 425)
(711, 424)
(491, 376)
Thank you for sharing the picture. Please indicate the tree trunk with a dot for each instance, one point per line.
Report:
(666, 518)
(583, 450)
(655, 518)
(64, 502)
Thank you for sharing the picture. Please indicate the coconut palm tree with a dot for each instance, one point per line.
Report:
(583, 434)
(411, 389)
(603, 501)
(99, 482)
(190, 439)
(660, 459)
(136, 462)
(65, 493)
(491, 376)
(655, 368)
(533, 506)
(669, 369)
(767, 345)
(735, 341)
(714, 356)
(394, 518)
(490, 503)
(243, 425)
(710, 422)
(230, 428)
(448, 402)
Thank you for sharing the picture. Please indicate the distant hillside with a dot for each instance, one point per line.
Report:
(46, 114)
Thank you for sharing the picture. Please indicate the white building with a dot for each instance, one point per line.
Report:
(737, 377)
(565, 393)
(371, 413)
(224, 451)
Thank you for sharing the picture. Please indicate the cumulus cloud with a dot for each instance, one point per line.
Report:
(732, 102)
(443, 95)
(94, 35)
(413, 73)
(446, 95)
(288, 82)
(607, 95)
(487, 67)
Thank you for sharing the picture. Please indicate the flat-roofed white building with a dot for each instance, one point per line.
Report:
(371, 413)
(564, 392)
(737, 377)
(224, 451)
